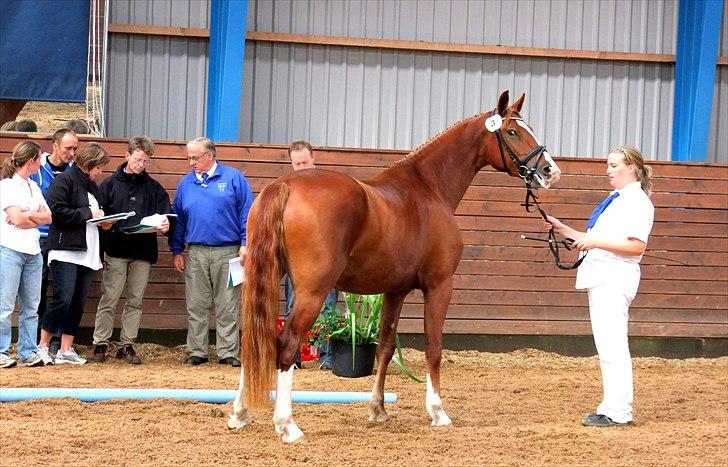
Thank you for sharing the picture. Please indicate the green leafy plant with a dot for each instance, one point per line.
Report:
(359, 324)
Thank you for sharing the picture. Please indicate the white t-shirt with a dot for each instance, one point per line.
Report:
(631, 214)
(26, 195)
(89, 258)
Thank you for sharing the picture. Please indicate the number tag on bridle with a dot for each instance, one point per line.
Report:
(493, 123)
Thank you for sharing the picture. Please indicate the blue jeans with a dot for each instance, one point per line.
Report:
(329, 302)
(21, 276)
(71, 284)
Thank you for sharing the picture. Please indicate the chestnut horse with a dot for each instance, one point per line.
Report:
(391, 234)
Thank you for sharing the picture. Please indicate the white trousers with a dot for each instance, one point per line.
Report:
(609, 311)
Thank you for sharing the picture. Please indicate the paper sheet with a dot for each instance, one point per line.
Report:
(236, 276)
(148, 224)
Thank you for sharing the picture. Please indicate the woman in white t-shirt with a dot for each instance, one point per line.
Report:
(22, 209)
(615, 238)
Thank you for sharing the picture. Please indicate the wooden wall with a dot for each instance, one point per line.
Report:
(506, 285)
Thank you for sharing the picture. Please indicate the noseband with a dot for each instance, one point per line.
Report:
(526, 173)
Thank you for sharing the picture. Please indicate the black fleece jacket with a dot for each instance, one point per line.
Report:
(124, 192)
(68, 200)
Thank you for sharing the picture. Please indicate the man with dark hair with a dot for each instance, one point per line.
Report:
(212, 204)
(63, 153)
(301, 154)
(129, 258)
(26, 126)
(77, 125)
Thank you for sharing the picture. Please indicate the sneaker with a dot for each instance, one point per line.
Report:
(601, 421)
(127, 353)
(44, 355)
(6, 361)
(100, 352)
(69, 356)
(33, 360)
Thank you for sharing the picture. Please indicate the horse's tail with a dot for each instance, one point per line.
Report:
(263, 264)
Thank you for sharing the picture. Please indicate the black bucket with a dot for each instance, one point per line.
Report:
(364, 359)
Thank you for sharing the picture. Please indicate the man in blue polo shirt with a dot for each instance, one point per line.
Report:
(212, 204)
(61, 157)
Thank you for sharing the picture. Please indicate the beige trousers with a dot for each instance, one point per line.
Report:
(134, 273)
(206, 282)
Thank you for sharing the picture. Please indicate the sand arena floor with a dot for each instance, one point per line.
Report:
(522, 408)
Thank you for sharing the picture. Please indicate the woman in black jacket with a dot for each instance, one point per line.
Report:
(129, 258)
(74, 249)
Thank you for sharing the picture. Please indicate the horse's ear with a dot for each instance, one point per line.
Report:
(519, 103)
(503, 103)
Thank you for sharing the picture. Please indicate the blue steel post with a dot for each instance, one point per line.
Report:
(697, 53)
(228, 20)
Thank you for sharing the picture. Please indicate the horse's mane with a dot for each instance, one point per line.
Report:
(427, 143)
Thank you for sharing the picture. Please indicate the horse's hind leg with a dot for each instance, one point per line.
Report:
(391, 308)
(305, 310)
(436, 303)
(283, 415)
(240, 416)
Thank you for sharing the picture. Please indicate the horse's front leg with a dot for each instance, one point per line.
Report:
(391, 308)
(240, 416)
(283, 415)
(437, 300)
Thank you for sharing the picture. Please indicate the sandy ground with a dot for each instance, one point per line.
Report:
(50, 116)
(519, 408)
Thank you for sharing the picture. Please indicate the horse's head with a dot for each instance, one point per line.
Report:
(516, 150)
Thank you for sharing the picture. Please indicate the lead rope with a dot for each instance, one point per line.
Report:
(551, 240)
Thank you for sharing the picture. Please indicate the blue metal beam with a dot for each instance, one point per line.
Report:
(225, 69)
(698, 34)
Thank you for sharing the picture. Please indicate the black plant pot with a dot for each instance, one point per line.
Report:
(363, 360)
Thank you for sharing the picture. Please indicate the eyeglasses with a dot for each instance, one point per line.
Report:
(139, 161)
(197, 158)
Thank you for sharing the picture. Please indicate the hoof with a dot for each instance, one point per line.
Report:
(441, 420)
(292, 434)
(236, 422)
(378, 417)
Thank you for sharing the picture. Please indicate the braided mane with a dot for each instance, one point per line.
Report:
(424, 145)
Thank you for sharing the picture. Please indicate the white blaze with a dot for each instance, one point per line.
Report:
(555, 171)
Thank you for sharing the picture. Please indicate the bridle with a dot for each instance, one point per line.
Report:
(526, 173)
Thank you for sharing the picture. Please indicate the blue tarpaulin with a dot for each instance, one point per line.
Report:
(44, 49)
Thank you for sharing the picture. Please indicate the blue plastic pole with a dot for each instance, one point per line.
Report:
(212, 396)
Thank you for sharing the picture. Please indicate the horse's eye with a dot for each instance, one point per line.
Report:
(512, 132)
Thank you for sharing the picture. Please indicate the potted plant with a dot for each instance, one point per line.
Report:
(353, 334)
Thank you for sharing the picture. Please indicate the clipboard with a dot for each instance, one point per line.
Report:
(111, 217)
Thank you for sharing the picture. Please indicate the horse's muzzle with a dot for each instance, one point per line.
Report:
(549, 174)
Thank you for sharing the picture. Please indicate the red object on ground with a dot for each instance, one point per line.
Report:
(309, 352)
